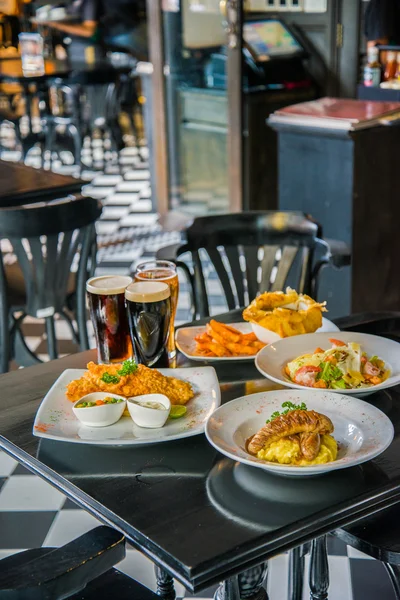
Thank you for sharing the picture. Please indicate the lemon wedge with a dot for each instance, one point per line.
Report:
(177, 411)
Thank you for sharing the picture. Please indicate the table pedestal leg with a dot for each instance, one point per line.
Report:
(165, 584)
(296, 573)
(394, 573)
(246, 586)
(319, 569)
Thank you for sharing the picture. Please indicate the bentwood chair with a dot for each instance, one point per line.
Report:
(80, 570)
(250, 252)
(55, 246)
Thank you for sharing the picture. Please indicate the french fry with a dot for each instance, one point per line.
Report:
(224, 341)
(249, 337)
(215, 335)
(204, 337)
(240, 349)
(217, 349)
(257, 345)
(228, 333)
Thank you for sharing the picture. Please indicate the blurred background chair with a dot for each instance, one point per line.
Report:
(55, 247)
(80, 570)
(250, 252)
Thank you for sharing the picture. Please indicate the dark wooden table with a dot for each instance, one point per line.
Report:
(182, 503)
(20, 184)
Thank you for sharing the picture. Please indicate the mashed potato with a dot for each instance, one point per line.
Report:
(286, 451)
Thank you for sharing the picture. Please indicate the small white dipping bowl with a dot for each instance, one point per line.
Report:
(149, 417)
(99, 416)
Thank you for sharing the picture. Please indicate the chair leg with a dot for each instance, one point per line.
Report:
(77, 140)
(319, 569)
(51, 338)
(394, 574)
(81, 321)
(68, 320)
(23, 355)
(50, 137)
(296, 574)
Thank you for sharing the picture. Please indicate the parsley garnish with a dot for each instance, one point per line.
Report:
(128, 367)
(289, 406)
(107, 378)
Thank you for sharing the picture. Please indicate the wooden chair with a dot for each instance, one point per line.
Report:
(80, 570)
(47, 238)
(250, 252)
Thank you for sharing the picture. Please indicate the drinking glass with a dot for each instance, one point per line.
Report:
(106, 296)
(165, 271)
(148, 304)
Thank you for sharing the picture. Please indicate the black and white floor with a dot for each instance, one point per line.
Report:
(32, 513)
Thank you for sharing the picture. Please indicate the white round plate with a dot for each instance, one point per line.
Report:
(362, 431)
(271, 360)
(268, 337)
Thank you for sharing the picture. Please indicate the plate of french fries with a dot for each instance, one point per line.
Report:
(218, 341)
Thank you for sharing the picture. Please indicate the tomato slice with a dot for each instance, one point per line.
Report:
(337, 342)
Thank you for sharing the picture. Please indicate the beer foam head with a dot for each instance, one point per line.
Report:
(108, 284)
(147, 291)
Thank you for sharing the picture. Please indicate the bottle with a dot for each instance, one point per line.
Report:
(391, 67)
(373, 69)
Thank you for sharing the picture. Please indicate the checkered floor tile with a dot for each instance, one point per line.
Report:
(32, 513)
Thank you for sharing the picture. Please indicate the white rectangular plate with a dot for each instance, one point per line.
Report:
(185, 342)
(56, 421)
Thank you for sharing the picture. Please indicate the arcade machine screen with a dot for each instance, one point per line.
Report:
(270, 39)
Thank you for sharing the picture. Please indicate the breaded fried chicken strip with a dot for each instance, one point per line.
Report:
(296, 421)
(142, 381)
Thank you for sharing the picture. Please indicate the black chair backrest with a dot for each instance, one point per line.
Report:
(46, 238)
(253, 252)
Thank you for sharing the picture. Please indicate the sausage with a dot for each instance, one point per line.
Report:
(296, 421)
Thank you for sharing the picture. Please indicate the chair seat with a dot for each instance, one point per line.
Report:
(113, 584)
(378, 536)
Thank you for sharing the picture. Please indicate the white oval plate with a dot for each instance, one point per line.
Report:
(186, 343)
(362, 431)
(56, 421)
(272, 359)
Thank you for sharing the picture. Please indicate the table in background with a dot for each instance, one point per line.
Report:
(20, 185)
(179, 502)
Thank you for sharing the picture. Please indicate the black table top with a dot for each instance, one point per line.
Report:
(201, 516)
(20, 184)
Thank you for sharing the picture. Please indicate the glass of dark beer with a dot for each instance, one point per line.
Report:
(106, 297)
(148, 305)
(163, 270)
